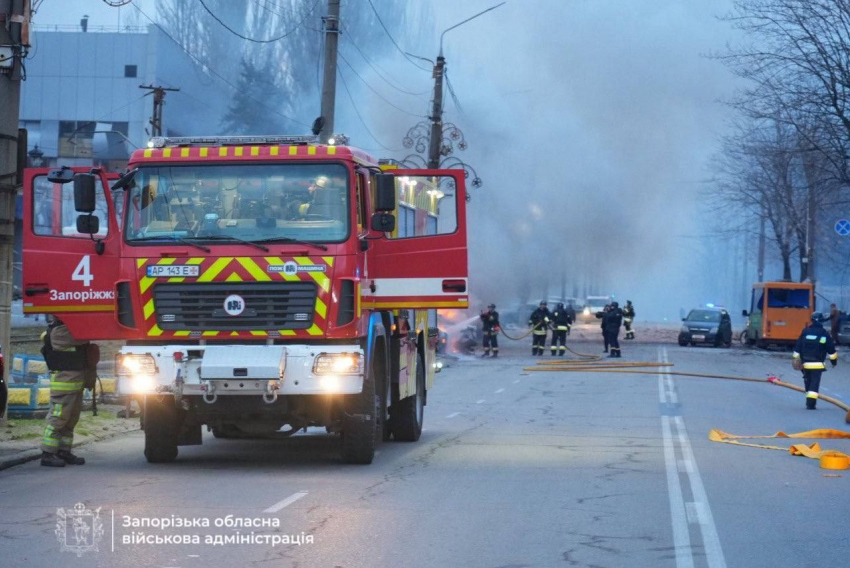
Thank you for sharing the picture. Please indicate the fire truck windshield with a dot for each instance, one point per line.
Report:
(307, 202)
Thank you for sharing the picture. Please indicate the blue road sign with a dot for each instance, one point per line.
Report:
(842, 227)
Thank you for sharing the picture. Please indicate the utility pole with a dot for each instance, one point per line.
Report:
(13, 30)
(331, 23)
(158, 103)
(761, 246)
(436, 139)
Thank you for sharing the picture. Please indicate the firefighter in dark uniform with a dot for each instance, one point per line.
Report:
(628, 319)
(813, 347)
(490, 324)
(571, 315)
(72, 365)
(601, 316)
(612, 322)
(539, 321)
(560, 328)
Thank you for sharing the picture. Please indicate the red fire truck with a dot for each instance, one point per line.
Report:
(260, 284)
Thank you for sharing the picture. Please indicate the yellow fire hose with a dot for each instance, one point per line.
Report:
(829, 459)
(521, 337)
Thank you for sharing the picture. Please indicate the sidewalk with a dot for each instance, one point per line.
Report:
(20, 438)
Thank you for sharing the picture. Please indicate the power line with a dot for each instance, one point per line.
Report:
(371, 88)
(216, 73)
(234, 32)
(392, 39)
(350, 40)
(357, 112)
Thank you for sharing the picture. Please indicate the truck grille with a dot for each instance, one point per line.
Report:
(267, 306)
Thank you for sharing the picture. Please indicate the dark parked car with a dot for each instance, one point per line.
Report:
(844, 330)
(707, 325)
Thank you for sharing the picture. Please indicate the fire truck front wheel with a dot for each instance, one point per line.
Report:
(161, 428)
(407, 421)
(360, 423)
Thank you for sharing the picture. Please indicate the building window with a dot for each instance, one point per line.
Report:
(130, 70)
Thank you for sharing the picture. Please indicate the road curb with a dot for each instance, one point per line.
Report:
(19, 459)
(25, 456)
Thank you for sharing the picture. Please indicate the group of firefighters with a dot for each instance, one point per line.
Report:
(560, 320)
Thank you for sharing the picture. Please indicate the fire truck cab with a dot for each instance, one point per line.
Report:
(261, 285)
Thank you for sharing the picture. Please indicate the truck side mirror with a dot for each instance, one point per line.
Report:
(60, 176)
(383, 222)
(88, 224)
(84, 193)
(745, 314)
(385, 193)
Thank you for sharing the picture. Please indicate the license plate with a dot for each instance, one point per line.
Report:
(698, 337)
(172, 271)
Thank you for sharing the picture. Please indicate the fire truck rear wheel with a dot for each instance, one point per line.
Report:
(360, 423)
(407, 421)
(161, 429)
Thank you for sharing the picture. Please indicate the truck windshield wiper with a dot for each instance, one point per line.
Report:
(255, 244)
(292, 241)
(172, 238)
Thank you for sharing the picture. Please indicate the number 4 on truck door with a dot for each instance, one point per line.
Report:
(70, 249)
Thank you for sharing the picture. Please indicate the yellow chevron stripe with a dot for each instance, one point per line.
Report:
(204, 152)
(293, 150)
(315, 330)
(195, 260)
(321, 308)
(155, 331)
(332, 150)
(222, 151)
(238, 150)
(184, 152)
(215, 269)
(329, 260)
(311, 150)
(358, 307)
(287, 332)
(260, 333)
(210, 333)
(234, 334)
(166, 152)
(145, 283)
(140, 262)
(148, 153)
(233, 278)
(253, 269)
(274, 150)
(182, 333)
(320, 277)
(148, 309)
(166, 261)
(176, 279)
(255, 150)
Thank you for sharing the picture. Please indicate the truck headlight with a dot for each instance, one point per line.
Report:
(713, 330)
(131, 364)
(587, 311)
(338, 364)
(139, 369)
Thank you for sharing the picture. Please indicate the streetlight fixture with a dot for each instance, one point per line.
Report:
(36, 156)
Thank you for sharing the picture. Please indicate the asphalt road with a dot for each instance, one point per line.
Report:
(513, 469)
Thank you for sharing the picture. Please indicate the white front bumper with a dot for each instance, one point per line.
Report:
(296, 362)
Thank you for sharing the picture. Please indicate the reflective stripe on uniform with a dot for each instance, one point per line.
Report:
(48, 439)
(562, 328)
(833, 357)
(823, 340)
(811, 394)
(66, 386)
(795, 355)
(814, 365)
(57, 409)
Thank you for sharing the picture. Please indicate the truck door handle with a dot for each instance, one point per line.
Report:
(36, 291)
(454, 286)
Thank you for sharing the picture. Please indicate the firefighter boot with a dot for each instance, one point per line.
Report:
(70, 458)
(486, 353)
(811, 403)
(51, 460)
